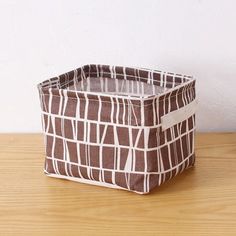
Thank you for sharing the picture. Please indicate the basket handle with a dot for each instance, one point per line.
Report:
(177, 116)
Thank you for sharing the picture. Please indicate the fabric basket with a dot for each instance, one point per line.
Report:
(118, 127)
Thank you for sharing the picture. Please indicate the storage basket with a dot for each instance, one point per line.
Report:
(118, 127)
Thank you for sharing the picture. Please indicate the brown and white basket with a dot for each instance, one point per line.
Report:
(118, 127)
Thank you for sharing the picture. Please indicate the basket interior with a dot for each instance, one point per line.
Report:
(117, 87)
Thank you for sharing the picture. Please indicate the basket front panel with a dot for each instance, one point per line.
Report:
(108, 148)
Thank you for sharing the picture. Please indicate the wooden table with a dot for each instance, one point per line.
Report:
(201, 201)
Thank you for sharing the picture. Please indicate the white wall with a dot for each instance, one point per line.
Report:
(41, 39)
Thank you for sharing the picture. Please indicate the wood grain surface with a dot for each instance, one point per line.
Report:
(201, 201)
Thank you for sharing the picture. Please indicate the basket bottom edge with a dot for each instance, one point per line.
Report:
(92, 182)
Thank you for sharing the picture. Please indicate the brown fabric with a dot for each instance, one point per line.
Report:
(117, 139)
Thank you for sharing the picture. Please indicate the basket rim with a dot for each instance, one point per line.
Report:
(190, 80)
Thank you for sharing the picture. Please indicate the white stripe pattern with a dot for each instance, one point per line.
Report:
(119, 127)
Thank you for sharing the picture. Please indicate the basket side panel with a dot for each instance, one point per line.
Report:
(175, 146)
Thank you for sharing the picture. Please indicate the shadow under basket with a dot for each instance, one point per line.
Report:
(118, 127)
